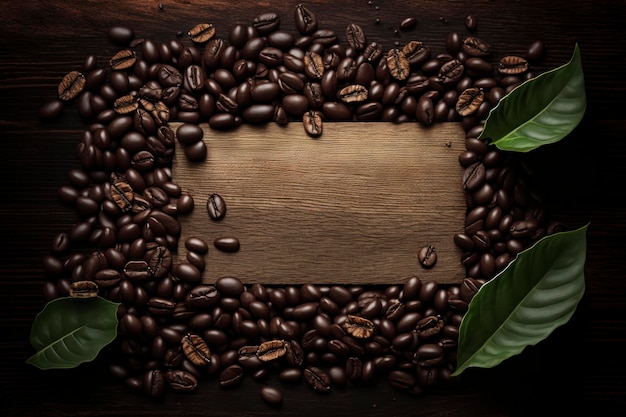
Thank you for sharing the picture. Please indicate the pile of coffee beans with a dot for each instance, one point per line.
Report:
(176, 330)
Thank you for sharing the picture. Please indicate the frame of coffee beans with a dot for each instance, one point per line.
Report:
(175, 330)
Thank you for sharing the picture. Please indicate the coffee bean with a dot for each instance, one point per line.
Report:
(313, 65)
(512, 65)
(201, 33)
(398, 64)
(124, 59)
(181, 381)
(352, 93)
(196, 349)
(451, 72)
(83, 289)
(120, 35)
(154, 383)
(427, 256)
(469, 101)
(305, 20)
(71, 85)
(408, 23)
(227, 244)
(317, 379)
(474, 46)
(473, 176)
(535, 51)
(355, 37)
(271, 350)
(51, 110)
(471, 22)
(359, 327)
(231, 376)
(272, 396)
(312, 122)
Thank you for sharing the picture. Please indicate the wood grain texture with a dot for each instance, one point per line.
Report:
(575, 372)
(353, 206)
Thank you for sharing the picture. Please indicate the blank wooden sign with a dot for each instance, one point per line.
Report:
(353, 206)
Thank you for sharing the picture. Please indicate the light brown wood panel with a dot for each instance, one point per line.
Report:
(353, 206)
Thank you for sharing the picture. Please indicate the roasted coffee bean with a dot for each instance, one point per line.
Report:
(305, 20)
(429, 326)
(266, 23)
(474, 46)
(355, 37)
(196, 349)
(451, 72)
(231, 376)
(227, 243)
(359, 327)
(401, 380)
(107, 278)
(312, 122)
(194, 78)
(427, 256)
(51, 110)
(352, 93)
(416, 53)
(313, 93)
(126, 104)
(136, 270)
(154, 383)
(425, 111)
(398, 64)
(124, 59)
(71, 85)
(201, 33)
(313, 65)
(473, 176)
(181, 381)
(535, 51)
(429, 354)
(188, 133)
(161, 307)
(83, 289)
(271, 350)
(471, 22)
(469, 101)
(323, 38)
(469, 288)
(120, 35)
(271, 396)
(317, 379)
(512, 65)
(216, 207)
(408, 23)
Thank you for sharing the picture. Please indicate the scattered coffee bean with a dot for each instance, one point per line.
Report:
(227, 244)
(427, 256)
(201, 33)
(272, 396)
(408, 23)
(216, 207)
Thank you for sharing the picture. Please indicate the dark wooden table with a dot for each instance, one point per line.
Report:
(578, 370)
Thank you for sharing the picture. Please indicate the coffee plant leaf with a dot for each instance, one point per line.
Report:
(70, 331)
(540, 111)
(523, 304)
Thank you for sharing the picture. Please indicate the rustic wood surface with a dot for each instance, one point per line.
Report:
(577, 371)
(346, 208)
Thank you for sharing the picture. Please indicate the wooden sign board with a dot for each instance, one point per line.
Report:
(353, 206)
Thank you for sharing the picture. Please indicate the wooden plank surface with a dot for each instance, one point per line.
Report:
(353, 206)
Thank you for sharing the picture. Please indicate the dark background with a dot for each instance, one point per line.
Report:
(578, 370)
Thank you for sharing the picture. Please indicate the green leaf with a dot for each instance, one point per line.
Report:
(523, 304)
(70, 331)
(539, 111)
